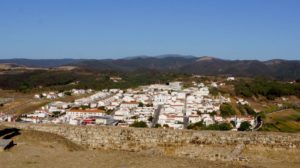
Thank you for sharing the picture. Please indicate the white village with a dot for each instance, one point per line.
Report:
(157, 105)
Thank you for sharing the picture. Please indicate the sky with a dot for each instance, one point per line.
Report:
(228, 29)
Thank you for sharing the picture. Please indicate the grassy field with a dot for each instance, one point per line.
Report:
(284, 121)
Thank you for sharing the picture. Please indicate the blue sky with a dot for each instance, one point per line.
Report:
(230, 29)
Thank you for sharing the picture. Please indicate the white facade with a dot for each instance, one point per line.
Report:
(74, 113)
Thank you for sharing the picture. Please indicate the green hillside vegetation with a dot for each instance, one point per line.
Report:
(227, 110)
(287, 120)
(63, 80)
(269, 89)
(246, 109)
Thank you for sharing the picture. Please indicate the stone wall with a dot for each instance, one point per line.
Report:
(166, 141)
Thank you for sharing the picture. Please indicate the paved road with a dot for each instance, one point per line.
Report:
(259, 123)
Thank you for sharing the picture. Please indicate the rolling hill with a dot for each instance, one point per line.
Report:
(277, 69)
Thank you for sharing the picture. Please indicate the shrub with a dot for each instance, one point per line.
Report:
(218, 126)
(166, 125)
(221, 127)
(139, 124)
(227, 110)
(196, 126)
(213, 91)
(141, 104)
(150, 118)
(245, 125)
(157, 126)
(232, 123)
(246, 110)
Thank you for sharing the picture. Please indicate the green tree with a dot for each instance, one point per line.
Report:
(213, 113)
(108, 112)
(150, 118)
(141, 104)
(24, 87)
(214, 91)
(219, 126)
(227, 110)
(245, 125)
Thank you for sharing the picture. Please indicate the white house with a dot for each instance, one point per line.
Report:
(129, 105)
(74, 113)
(230, 78)
(175, 85)
(37, 96)
(194, 118)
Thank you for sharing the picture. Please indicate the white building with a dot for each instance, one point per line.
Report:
(74, 113)
(230, 78)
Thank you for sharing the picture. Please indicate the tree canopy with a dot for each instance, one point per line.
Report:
(227, 110)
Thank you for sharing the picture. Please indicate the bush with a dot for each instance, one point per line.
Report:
(157, 126)
(68, 93)
(218, 126)
(245, 125)
(141, 104)
(150, 118)
(227, 110)
(196, 126)
(213, 113)
(232, 123)
(108, 112)
(246, 110)
(56, 113)
(166, 126)
(214, 91)
(134, 117)
(221, 127)
(139, 124)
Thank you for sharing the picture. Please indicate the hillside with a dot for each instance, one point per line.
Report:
(39, 63)
(277, 69)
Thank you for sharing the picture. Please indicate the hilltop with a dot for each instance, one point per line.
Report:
(206, 65)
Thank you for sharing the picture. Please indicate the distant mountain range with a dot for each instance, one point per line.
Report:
(278, 69)
(39, 63)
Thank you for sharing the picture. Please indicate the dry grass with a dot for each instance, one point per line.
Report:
(38, 149)
(285, 120)
(25, 103)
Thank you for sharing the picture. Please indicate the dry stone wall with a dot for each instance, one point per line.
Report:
(167, 141)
